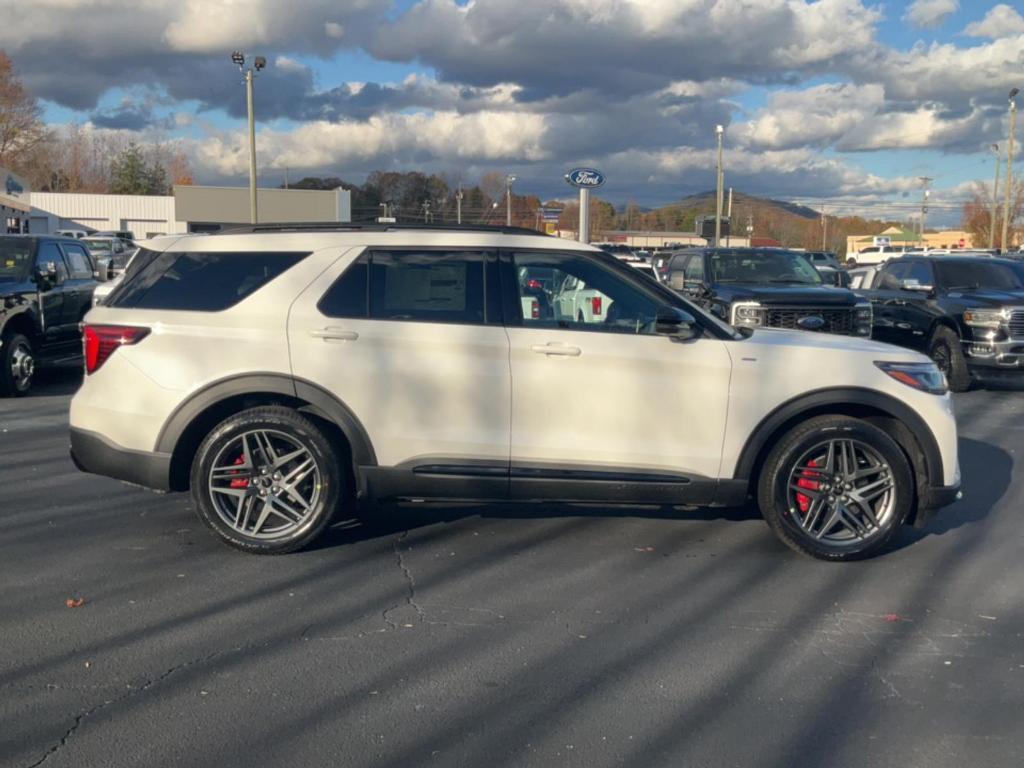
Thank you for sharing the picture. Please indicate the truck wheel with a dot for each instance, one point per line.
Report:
(17, 365)
(836, 488)
(948, 353)
(267, 480)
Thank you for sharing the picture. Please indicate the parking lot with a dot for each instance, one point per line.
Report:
(525, 635)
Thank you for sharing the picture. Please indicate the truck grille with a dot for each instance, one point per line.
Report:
(1016, 324)
(836, 320)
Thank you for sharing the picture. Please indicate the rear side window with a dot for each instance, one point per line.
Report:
(428, 287)
(349, 296)
(198, 282)
(81, 267)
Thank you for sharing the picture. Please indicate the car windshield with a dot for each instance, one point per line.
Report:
(101, 247)
(762, 267)
(970, 275)
(15, 259)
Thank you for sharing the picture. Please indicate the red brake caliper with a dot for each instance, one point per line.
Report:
(806, 481)
(243, 482)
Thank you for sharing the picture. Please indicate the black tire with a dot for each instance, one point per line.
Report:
(785, 512)
(13, 350)
(948, 353)
(287, 430)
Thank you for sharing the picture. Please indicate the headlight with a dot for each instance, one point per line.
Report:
(925, 377)
(985, 318)
(748, 314)
(863, 317)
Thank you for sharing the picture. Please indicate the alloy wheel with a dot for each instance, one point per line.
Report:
(841, 492)
(265, 484)
(23, 366)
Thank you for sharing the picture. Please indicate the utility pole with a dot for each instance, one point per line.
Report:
(995, 202)
(719, 131)
(286, 169)
(1009, 168)
(428, 217)
(750, 227)
(458, 204)
(509, 180)
(258, 63)
(824, 229)
(728, 217)
(925, 180)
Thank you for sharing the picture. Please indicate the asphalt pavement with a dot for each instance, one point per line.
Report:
(528, 635)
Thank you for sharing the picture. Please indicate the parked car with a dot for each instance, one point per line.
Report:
(878, 254)
(77, 234)
(113, 250)
(822, 259)
(46, 286)
(121, 234)
(283, 375)
(767, 288)
(965, 312)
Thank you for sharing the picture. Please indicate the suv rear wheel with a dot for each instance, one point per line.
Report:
(266, 480)
(17, 365)
(836, 488)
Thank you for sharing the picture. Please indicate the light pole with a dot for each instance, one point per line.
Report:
(509, 181)
(259, 63)
(719, 131)
(1009, 167)
(925, 180)
(995, 202)
(458, 205)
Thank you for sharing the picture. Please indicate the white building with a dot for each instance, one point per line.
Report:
(189, 209)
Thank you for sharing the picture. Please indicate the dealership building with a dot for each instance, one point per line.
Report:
(14, 203)
(188, 209)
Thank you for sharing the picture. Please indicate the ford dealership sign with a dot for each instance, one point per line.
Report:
(585, 178)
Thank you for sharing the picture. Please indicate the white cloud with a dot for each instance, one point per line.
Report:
(930, 13)
(1000, 21)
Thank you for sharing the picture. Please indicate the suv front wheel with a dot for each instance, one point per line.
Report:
(17, 365)
(266, 480)
(836, 488)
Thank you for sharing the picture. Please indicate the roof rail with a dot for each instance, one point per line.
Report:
(334, 226)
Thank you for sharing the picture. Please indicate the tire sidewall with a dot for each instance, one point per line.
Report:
(295, 426)
(772, 487)
(12, 341)
(958, 376)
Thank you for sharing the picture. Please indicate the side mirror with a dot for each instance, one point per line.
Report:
(46, 276)
(675, 323)
(914, 285)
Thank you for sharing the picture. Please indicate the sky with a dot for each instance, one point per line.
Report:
(839, 103)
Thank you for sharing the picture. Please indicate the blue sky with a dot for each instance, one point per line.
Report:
(841, 101)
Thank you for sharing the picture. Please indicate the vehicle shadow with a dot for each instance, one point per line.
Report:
(56, 380)
(987, 471)
(1008, 381)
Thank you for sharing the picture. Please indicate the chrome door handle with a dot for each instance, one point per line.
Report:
(563, 350)
(334, 334)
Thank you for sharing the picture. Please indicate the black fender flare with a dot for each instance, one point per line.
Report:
(26, 309)
(322, 403)
(842, 396)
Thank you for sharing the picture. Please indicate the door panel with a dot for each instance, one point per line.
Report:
(427, 393)
(56, 330)
(608, 395)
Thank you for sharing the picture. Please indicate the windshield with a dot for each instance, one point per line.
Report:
(762, 267)
(15, 260)
(969, 275)
(101, 247)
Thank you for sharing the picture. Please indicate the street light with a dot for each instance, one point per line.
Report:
(719, 132)
(509, 181)
(1009, 166)
(995, 202)
(259, 64)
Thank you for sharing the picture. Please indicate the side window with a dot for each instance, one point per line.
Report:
(49, 253)
(78, 261)
(890, 276)
(695, 269)
(428, 286)
(198, 282)
(349, 296)
(600, 299)
(676, 274)
(921, 271)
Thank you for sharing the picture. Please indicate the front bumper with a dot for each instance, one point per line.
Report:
(93, 453)
(995, 355)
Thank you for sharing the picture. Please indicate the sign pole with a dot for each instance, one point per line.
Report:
(584, 215)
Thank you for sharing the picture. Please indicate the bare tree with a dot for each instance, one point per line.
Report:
(21, 124)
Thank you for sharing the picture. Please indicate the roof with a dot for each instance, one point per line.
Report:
(332, 226)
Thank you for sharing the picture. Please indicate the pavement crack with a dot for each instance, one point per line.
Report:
(410, 581)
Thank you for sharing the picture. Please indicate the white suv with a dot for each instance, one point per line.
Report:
(286, 374)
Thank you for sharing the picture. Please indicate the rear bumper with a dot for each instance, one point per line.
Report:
(93, 453)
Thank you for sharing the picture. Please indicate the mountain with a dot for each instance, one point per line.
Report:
(704, 202)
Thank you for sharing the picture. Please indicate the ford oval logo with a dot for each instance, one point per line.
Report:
(585, 177)
(811, 322)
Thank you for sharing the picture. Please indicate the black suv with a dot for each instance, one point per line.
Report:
(965, 312)
(767, 288)
(46, 287)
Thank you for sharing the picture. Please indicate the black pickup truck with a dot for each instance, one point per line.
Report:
(46, 287)
(766, 288)
(965, 312)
